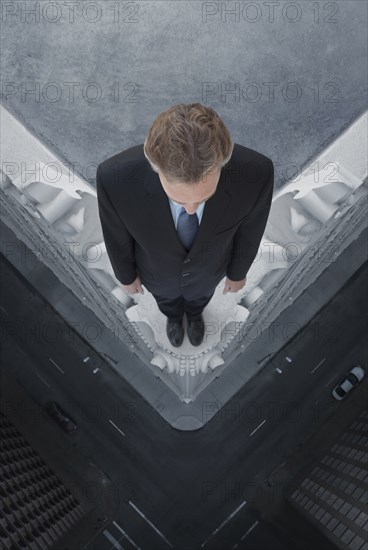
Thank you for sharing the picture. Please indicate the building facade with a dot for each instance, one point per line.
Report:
(334, 495)
(37, 510)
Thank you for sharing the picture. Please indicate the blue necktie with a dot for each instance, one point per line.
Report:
(187, 228)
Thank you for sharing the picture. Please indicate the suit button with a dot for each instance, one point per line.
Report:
(185, 274)
(184, 284)
(187, 260)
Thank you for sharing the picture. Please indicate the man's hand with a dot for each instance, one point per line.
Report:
(134, 287)
(233, 286)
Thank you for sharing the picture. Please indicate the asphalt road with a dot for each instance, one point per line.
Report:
(187, 490)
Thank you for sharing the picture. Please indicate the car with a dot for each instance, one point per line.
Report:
(57, 413)
(350, 380)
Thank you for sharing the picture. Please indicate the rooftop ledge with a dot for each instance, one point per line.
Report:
(313, 219)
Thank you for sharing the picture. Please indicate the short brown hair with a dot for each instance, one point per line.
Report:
(187, 141)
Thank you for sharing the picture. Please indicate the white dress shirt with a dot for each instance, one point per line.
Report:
(176, 208)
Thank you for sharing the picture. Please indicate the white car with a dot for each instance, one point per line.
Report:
(349, 381)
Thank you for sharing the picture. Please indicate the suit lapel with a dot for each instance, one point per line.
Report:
(159, 216)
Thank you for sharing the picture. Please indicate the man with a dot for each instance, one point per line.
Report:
(183, 210)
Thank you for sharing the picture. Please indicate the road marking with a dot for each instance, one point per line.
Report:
(113, 540)
(115, 426)
(224, 522)
(247, 533)
(4, 310)
(319, 364)
(150, 523)
(43, 380)
(56, 365)
(126, 535)
(257, 428)
(333, 378)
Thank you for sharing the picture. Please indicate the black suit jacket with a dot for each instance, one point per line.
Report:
(140, 234)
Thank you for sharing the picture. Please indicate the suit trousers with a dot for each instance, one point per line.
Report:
(176, 307)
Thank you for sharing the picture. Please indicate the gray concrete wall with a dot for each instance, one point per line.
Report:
(159, 53)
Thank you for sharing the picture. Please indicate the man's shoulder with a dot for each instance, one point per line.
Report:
(247, 156)
(131, 161)
(250, 168)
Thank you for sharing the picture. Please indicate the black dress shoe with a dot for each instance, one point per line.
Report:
(175, 331)
(195, 331)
